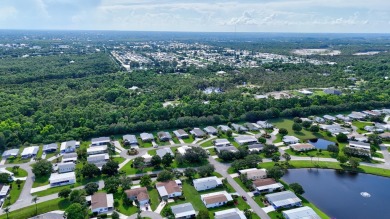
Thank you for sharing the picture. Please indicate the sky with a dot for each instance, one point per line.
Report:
(313, 16)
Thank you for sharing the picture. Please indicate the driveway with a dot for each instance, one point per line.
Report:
(149, 214)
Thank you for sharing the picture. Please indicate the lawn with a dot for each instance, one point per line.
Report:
(360, 126)
(313, 153)
(278, 139)
(287, 124)
(189, 140)
(207, 143)
(152, 152)
(144, 144)
(119, 160)
(331, 165)
(154, 198)
(41, 181)
(239, 182)
(212, 152)
(131, 171)
(14, 193)
(21, 172)
(29, 212)
(174, 139)
(49, 155)
(17, 160)
(40, 151)
(126, 210)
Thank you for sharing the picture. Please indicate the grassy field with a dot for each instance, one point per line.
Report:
(119, 160)
(207, 143)
(154, 198)
(126, 210)
(21, 172)
(28, 212)
(188, 140)
(313, 153)
(360, 126)
(287, 124)
(239, 182)
(40, 151)
(41, 181)
(14, 193)
(131, 171)
(331, 165)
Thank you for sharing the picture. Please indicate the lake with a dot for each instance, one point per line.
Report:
(321, 143)
(339, 194)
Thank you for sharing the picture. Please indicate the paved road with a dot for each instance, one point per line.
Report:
(222, 169)
(386, 155)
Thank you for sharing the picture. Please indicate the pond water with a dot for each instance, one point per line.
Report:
(344, 195)
(320, 143)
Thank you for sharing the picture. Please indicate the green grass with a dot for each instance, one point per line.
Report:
(207, 143)
(188, 140)
(14, 193)
(174, 139)
(287, 124)
(258, 201)
(21, 172)
(152, 152)
(144, 144)
(154, 198)
(41, 181)
(28, 212)
(278, 139)
(314, 153)
(360, 126)
(40, 151)
(131, 171)
(119, 160)
(212, 152)
(49, 155)
(239, 182)
(126, 210)
(331, 165)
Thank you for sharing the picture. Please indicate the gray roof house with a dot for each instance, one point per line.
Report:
(255, 147)
(286, 199)
(100, 141)
(232, 213)
(131, 139)
(29, 152)
(239, 128)
(264, 124)
(329, 118)
(245, 139)
(251, 126)
(289, 139)
(182, 211)
(180, 133)
(49, 148)
(145, 137)
(211, 130)
(332, 91)
(164, 136)
(198, 132)
(207, 183)
(226, 148)
(10, 153)
(66, 167)
(71, 157)
(163, 151)
(224, 128)
(221, 142)
(69, 146)
(301, 213)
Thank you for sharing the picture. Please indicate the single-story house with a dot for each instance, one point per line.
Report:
(221, 142)
(267, 185)
(163, 151)
(4, 190)
(226, 148)
(146, 137)
(330, 118)
(386, 111)
(211, 130)
(302, 147)
(255, 147)
(100, 141)
(139, 194)
(180, 133)
(357, 115)
(10, 153)
(66, 167)
(300, 213)
(147, 159)
(305, 92)
(265, 124)
(319, 119)
(286, 199)
(332, 91)
(69, 146)
(245, 139)
(164, 136)
(71, 157)
(385, 136)
(97, 150)
(182, 150)
(30, 152)
(376, 129)
(232, 213)
(4, 170)
(130, 139)
(207, 183)
(98, 159)
(183, 211)
(57, 179)
(101, 202)
(197, 132)
(224, 128)
(216, 199)
(371, 113)
(251, 126)
(343, 118)
(289, 139)
(50, 148)
(239, 128)
(254, 173)
(359, 145)
(168, 189)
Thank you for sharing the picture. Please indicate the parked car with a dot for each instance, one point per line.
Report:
(243, 197)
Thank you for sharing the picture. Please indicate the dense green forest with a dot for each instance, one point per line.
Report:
(76, 96)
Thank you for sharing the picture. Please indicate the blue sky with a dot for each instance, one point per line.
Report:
(363, 16)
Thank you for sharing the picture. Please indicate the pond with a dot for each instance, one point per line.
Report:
(320, 143)
(343, 195)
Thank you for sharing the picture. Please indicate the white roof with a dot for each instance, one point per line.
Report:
(11, 152)
(98, 157)
(271, 186)
(162, 191)
(163, 151)
(230, 213)
(212, 181)
(182, 150)
(183, 210)
(245, 138)
(283, 198)
(55, 177)
(290, 138)
(4, 190)
(227, 195)
(30, 151)
(97, 148)
(301, 213)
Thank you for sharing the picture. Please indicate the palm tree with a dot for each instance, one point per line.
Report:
(7, 211)
(35, 199)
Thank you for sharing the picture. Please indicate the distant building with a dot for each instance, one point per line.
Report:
(198, 133)
(226, 148)
(265, 124)
(130, 139)
(221, 142)
(359, 145)
(301, 213)
(168, 189)
(251, 126)
(182, 150)
(4, 190)
(71, 157)
(97, 150)
(332, 91)
(50, 148)
(69, 146)
(164, 136)
(211, 130)
(255, 147)
(180, 133)
(305, 92)
(98, 159)
(289, 139)
(330, 118)
(224, 128)
(146, 137)
(239, 128)
(163, 151)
